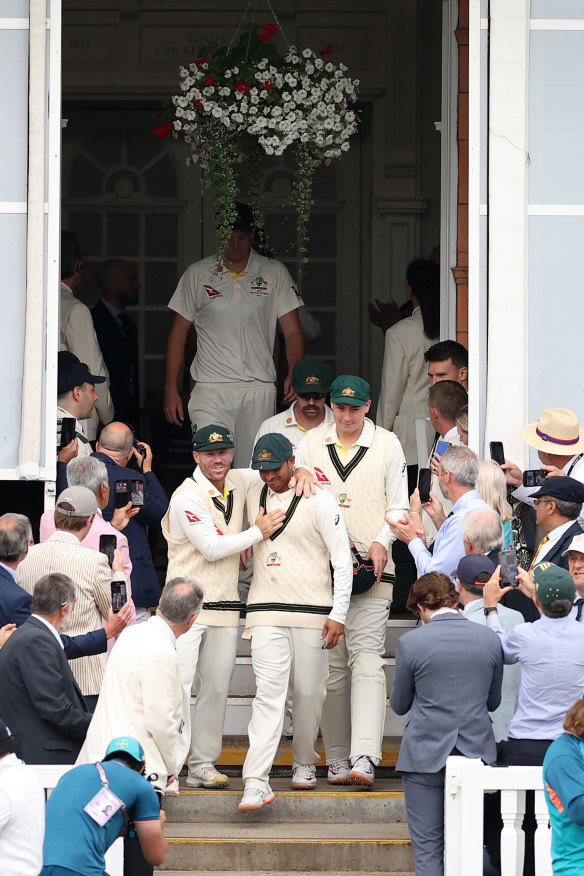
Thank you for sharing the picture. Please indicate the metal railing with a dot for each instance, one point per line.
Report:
(49, 776)
(466, 781)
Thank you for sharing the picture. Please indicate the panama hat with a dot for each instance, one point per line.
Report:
(557, 431)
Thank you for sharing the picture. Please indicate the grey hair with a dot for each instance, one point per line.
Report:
(87, 471)
(116, 439)
(51, 592)
(463, 465)
(484, 529)
(181, 598)
(15, 534)
(571, 510)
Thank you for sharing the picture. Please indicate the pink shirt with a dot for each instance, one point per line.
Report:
(91, 540)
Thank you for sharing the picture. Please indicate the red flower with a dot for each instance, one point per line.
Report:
(199, 104)
(199, 62)
(163, 130)
(267, 86)
(327, 51)
(242, 86)
(270, 27)
(265, 36)
(209, 80)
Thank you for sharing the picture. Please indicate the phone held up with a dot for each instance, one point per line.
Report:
(67, 431)
(107, 546)
(129, 491)
(441, 447)
(424, 480)
(497, 452)
(508, 563)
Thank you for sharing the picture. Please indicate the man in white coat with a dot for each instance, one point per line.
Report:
(142, 695)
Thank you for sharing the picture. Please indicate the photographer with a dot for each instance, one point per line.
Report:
(93, 804)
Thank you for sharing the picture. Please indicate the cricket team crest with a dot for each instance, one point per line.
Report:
(260, 286)
(274, 559)
(348, 392)
(215, 436)
(344, 500)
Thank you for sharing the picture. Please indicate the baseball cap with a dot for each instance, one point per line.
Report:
(71, 372)
(552, 582)
(312, 375)
(126, 744)
(577, 544)
(350, 390)
(271, 451)
(7, 740)
(81, 498)
(244, 220)
(471, 566)
(212, 438)
(567, 489)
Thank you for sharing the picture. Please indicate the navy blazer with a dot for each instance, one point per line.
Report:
(39, 698)
(555, 555)
(119, 348)
(145, 583)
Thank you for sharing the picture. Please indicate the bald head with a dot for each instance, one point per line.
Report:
(118, 282)
(116, 440)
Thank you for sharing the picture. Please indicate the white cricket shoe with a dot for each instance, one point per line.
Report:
(339, 772)
(255, 798)
(207, 777)
(362, 772)
(304, 777)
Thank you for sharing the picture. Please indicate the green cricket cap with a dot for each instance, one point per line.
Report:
(271, 451)
(212, 438)
(552, 582)
(312, 375)
(350, 390)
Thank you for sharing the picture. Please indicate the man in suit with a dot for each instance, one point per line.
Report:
(15, 539)
(116, 447)
(447, 360)
(448, 675)
(142, 694)
(76, 398)
(39, 698)
(62, 552)
(118, 336)
(557, 506)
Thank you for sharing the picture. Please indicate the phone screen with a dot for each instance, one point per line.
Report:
(442, 447)
(119, 595)
(137, 493)
(497, 452)
(508, 563)
(424, 480)
(534, 477)
(121, 497)
(107, 546)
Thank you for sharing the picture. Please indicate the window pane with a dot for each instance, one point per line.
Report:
(556, 8)
(140, 150)
(87, 227)
(160, 282)
(324, 183)
(322, 234)
(161, 234)
(320, 284)
(161, 179)
(157, 326)
(325, 345)
(281, 233)
(123, 235)
(85, 179)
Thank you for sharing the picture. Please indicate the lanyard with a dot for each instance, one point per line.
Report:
(102, 775)
(574, 463)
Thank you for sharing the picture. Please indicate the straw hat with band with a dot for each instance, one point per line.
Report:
(557, 432)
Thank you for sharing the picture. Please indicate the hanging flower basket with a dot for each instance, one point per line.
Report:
(244, 102)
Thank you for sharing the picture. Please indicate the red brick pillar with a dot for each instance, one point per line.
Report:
(460, 272)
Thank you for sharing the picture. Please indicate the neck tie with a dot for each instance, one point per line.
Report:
(580, 604)
(545, 539)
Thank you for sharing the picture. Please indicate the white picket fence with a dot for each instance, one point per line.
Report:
(465, 783)
(48, 776)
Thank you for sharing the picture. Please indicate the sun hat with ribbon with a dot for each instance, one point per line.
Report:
(557, 431)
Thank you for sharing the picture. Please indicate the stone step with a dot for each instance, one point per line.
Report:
(326, 804)
(252, 846)
(235, 748)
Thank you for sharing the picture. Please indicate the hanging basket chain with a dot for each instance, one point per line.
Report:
(277, 22)
(240, 23)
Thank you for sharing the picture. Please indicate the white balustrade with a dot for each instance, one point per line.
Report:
(466, 781)
(49, 776)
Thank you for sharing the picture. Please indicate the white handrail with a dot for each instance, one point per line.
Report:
(48, 776)
(466, 781)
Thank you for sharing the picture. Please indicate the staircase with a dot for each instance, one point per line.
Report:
(329, 830)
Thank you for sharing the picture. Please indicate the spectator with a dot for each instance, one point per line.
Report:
(447, 360)
(363, 466)
(76, 332)
(75, 841)
(557, 507)
(116, 447)
(575, 554)
(472, 573)
(62, 552)
(39, 697)
(448, 677)
(76, 398)
(142, 690)
(462, 425)
(22, 812)
(563, 776)
(311, 381)
(203, 528)
(458, 473)
(492, 486)
(118, 336)
(291, 609)
(234, 307)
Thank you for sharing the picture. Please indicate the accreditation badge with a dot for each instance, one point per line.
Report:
(103, 806)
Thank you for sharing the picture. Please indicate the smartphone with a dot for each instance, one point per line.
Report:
(424, 480)
(442, 447)
(119, 595)
(68, 431)
(508, 563)
(534, 477)
(497, 452)
(121, 497)
(107, 546)
(137, 493)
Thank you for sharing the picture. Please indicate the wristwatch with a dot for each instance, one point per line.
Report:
(487, 611)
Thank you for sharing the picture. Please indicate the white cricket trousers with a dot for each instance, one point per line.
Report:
(242, 407)
(277, 655)
(353, 716)
(210, 651)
